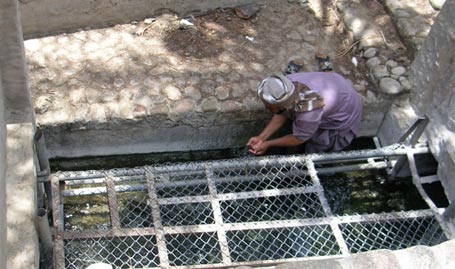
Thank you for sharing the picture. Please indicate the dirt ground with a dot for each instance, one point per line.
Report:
(222, 26)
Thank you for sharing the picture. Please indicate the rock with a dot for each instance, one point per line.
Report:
(405, 83)
(222, 92)
(359, 88)
(172, 93)
(390, 86)
(209, 104)
(344, 70)
(370, 53)
(149, 20)
(398, 71)
(391, 63)
(437, 4)
(371, 98)
(371, 63)
(380, 71)
(185, 106)
(247, 11)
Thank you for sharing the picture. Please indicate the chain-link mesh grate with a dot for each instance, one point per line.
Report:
(392, 234)
(121, 252)
(282, 243)
(219, 213)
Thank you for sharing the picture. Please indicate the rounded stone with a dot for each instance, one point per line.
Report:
(210, 104)
(405, 83)
(437, 4)
(222, 92)
(391, 63)
(398, 71)
(370, 53)
(372, 62)
(231, 106)
(184, 106)
(192, 93)
(172, 93)
(381, 71)
(390, 86)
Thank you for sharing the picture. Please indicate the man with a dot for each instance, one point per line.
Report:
(324, 108)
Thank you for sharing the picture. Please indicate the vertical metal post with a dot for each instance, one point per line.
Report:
(417, 130)
(221, 233)
(325, 205)
(112, 202)
(157, 223)
(43, 161)
(45, 236)
(57, 215)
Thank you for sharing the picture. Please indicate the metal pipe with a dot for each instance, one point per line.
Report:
(45, 236)
(232, 179)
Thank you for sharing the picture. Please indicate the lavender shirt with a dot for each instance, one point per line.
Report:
(341, 113)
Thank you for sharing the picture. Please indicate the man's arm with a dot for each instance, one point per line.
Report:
(284, 141)
(274, 124)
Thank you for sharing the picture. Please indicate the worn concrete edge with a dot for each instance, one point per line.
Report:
(2, 181)
(57, 16)
(418, 257)
(22, 239)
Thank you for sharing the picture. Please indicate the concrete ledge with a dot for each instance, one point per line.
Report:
(41, 17)
(419, 257)
(22, 240)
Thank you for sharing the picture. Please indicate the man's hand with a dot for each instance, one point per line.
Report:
(257, 146)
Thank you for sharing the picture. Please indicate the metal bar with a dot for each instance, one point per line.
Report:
(112, 202)
(218, 218)
(387, 216)
(45, 236)
(426, 198)
(429, 179)
(130, 232)
(57, 215)
(272, 161)
(355, 167)
(325, 205)
(129, 188)
(250, 225)
(417, 129)
(159, 233)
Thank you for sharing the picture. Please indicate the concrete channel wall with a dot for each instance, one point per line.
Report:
(2, 180)
(41, 17)
(434, 91)
(19, 240)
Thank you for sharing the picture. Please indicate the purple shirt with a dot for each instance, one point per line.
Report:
(342, 111)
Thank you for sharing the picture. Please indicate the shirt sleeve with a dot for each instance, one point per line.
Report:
(305, 124)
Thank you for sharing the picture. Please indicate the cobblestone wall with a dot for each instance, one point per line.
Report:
(41, 17)
(434, 91)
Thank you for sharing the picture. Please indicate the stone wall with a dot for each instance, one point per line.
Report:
(41, 17)
(2, 180)
(432, 74)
